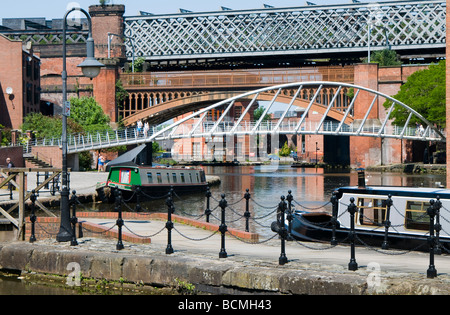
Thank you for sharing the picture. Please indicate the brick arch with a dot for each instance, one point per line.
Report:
(173, 108)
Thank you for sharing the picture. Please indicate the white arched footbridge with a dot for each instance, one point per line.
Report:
(336, 118)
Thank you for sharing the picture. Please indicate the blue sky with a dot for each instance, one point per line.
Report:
(56, 9)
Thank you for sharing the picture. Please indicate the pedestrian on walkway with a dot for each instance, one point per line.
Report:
(10, 164)
(146, 129)
(101, 163)
(139, 127)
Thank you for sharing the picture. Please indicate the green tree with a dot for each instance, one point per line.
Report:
(424, 91)
(385, 57)
(48, 127)
(121, 94)
(89, 114)
(285, 150)
(258, 113)
(85, 116)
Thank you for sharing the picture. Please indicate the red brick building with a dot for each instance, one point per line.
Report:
(19, 82)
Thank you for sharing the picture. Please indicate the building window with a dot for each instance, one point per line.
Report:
(150, 178)
(174, 177)
(237, 112)
(159, 178)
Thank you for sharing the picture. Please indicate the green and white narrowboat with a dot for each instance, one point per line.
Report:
(153, 181)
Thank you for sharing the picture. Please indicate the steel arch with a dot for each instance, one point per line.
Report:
(345, 127)
(381, 130)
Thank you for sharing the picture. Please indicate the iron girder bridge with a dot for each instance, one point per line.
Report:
(311, 30)
(335, 120)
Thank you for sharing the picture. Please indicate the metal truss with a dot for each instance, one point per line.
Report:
(313, 29)
(47, 37)
(197, 125)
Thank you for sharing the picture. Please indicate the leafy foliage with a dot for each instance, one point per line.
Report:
(424, 92)
(258, 112)
(47, 127)
(385, 57)
(285, 150)
(89, 114)
(86, 116)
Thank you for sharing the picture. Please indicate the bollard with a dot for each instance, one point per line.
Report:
(247, 210)
(334, 213)
(437, 226)
(208, 210)
(352, 265)
(283, 232)
(289, 215)
(138, 191)
(431, 211)
(387, 222)
(74, 220)
(223, 228)
(33, 216)
(169, 223)
(119, 221)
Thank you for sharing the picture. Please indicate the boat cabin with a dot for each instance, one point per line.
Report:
(125, 177)
(408, 213)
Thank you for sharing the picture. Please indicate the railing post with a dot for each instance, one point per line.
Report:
(208, 210)
(437, 226)
(334, 213)
(290, 215)
(431, 211)
(137, 191)
(282, 232)
(352, 265)
(33, 216)
(169, 223)
(387, 223)
(119, 221)
(74, 220)
(223, 227)
(247, 210)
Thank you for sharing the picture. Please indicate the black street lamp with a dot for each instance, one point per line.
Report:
(91, 68)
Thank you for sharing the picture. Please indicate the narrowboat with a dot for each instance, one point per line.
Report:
(154, 181)
(409, 221)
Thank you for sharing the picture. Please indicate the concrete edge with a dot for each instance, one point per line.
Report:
(214, 276)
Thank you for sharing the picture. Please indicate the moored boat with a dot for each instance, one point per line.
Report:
(153, 182)
(387, 217)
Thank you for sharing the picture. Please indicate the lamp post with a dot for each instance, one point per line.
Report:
(91, 68)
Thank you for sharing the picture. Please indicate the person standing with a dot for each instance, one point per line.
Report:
(101, 160)
(146, 129)
(139, 127)
(10, 164)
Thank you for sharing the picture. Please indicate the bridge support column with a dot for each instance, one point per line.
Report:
(366, 151)
(105, 88)
(107, 19)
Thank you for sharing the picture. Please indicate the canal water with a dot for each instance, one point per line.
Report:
(311, 188)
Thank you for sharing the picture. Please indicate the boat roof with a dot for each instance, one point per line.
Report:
(418, 192)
